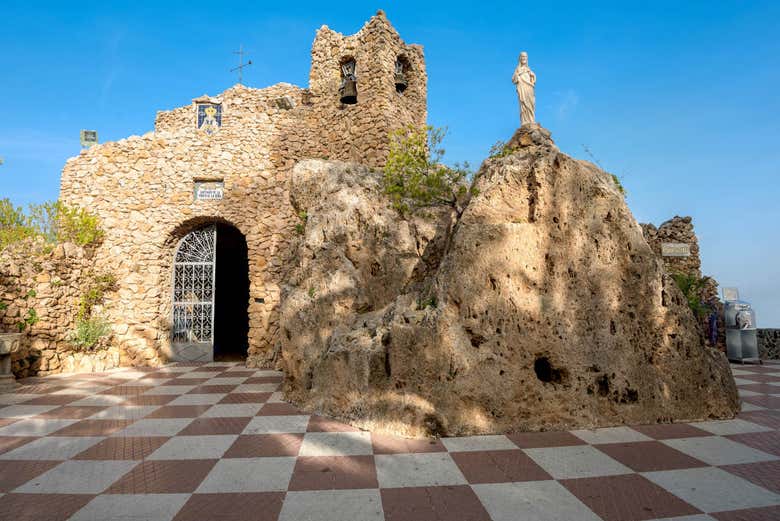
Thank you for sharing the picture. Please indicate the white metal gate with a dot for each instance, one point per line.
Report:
(193, 295)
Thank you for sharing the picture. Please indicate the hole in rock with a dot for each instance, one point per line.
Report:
(546, 373)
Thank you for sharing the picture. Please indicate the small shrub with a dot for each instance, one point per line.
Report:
(301, 226)
(618, 184)
(51, 221)
(94, 294)
(423, 303)
(500, 149)
(88, 332)
(312, 293)
(692, 287)
(414, 175)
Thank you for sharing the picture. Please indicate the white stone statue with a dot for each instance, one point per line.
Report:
(525, 81)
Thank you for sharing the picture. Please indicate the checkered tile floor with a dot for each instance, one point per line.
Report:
(216, 442)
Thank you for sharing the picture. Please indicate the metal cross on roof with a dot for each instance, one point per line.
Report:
(241, 63)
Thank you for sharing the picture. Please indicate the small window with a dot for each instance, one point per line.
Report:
(401, 74)
(348, 89)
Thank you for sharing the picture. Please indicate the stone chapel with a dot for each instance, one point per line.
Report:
(197, 214)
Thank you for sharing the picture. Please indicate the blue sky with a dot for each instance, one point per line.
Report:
(679, 99)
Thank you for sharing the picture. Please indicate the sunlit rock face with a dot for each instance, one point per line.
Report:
(540, 307)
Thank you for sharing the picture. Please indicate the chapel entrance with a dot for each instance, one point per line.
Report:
(210, 295)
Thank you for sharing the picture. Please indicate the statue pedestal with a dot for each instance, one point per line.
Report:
(9, 343)
(531, 134)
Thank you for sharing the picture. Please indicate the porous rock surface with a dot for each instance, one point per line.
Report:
(540, 307)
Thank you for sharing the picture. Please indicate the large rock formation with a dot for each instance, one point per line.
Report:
(540, 307)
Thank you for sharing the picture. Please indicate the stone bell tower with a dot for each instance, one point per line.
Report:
(364, 86)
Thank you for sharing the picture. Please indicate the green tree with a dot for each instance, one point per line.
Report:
(692, 287)
(415, 176)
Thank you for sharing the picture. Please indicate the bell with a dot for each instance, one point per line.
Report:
(348, 91)
(400, 82)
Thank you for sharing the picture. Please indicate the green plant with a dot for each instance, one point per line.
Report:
(691, 287)
(312, 293)
(94, 294)
(51, 221)
(301, 226)
(423, 303)
(618, 184)
(501, 149)
(414, 175)
(88, 332)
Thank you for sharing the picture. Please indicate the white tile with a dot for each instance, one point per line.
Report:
(610, 435)
(226, 380)
(194, 447)
(336, 444)
(131, 507)
(170, 389)
(277, 424)
(124, 412)
(155, 427)
(744, 381)
(232, 410)
(78, 477)
(472, 443)
(532, 501)
(256, 388)
(715, 450)
(744, 393)
(198, 399)
(582, 461)
(35, 426)
(249, 475)
(727, 427)
(747, 407)
(200, 374)
(100, 399)
(333, 505)
(175, 368)
(267, 372)
(417, 470)
(52, 448)
(713, 490)
(24, 411)
(695, 517)
(14, 398)
(276, 397)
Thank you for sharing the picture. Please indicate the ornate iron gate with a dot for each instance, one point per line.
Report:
(193, 289)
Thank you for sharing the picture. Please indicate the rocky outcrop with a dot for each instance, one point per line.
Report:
(540, 307)
(769, 344)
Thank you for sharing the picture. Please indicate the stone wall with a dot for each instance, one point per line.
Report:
(769, 344)
(53, 283)
(142, 187)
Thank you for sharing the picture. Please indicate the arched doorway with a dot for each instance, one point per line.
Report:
(210, 295)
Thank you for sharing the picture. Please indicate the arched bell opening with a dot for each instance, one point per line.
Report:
(210, 295)
(348, 89)
(401, 76)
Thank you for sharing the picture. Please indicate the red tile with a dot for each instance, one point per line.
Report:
(279, 409)
(178, 411)
(768, 441)
(498, 466)
(71, 412)
(236, 374)
(386, 444)
(770, 402)
(54, 399)
(188, 381)
(15, 473)
(668, 431)
(150, 399)
(750, 514)
(246, 398)
(93, 428)
(212, 389)
(323, 424)
(264, 380)
(265, 445)
(38, 507)
(763, 388)
(539, 440)
(763, 378)
(453, 503)
(648, 456)
(39, 389)
(257, 506)
(8, 443)
(765, 474)
(769, 419)
(207, 426)
(120, 448)
(8, 421)
(126, 390)
(628, 497)
(163, 477)
(334, 472)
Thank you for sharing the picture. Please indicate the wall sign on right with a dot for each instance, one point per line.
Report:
(675, 249)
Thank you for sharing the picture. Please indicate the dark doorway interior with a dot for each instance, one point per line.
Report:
(231, 320)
